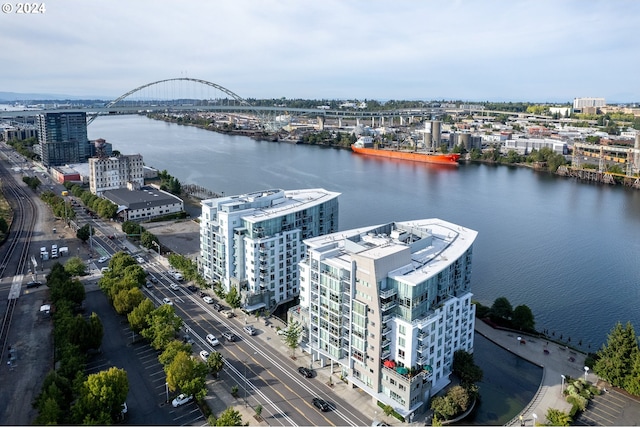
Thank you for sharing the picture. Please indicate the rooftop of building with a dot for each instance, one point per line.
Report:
(145, 197)
(272, 203)
(434, 244)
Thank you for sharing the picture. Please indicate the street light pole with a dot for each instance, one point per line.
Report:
(535, 419)
(562, 386)
(586, 370)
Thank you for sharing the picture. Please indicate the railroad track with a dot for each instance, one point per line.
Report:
(15, 255)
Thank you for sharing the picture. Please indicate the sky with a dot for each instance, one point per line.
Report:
(470, 50)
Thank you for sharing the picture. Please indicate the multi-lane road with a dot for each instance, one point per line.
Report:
(260, 364)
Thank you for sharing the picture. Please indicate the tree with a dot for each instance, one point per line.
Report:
(501, 309)
(292, 336)
(187, 374)
(163, 325)
(523, 318)
(75, 266)
(171, 351)
(102, 396)
(138, 318)
(127, 299)
(556, 417)
(616, 358)
(215, 363)
(229, 417)
(148, 239)
(4, 226)
(460, 397)
(465, 368)
(84, 232)
(233, 297)
(632, 384)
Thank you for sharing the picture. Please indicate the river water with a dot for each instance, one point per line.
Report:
(567, 249)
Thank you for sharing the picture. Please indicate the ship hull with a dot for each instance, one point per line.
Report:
(440, 159)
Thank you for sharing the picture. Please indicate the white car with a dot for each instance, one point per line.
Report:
(208, 300)
(204, 355)
(140, 260)
(211, 339)
(167, 301)
(174, 286)
(103, 259)
(104, 269)
(181, 400)
(249, 329)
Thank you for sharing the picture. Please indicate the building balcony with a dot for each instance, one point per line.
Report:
(386, 330)
(386, 353)
(386, 318)
(388, 306)
(422, 335)
(388, 293)
(422, 360)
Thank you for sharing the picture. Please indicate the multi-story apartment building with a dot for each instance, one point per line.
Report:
(63, 138)
(111, 173)
(254, 242)
(389, 304)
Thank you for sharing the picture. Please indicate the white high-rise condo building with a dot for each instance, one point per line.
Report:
(389, 304)
(254, 242)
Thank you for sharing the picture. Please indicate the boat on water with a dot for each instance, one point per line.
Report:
(415, 156)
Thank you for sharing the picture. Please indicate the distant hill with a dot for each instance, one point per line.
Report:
(13, 97)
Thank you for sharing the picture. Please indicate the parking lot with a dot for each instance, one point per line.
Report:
(611, 408)
(148, 401)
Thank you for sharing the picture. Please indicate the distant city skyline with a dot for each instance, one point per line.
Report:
(484, 50)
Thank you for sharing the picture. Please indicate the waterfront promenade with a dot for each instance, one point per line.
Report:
(558, 360)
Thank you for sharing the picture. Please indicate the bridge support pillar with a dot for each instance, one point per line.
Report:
(320, 125)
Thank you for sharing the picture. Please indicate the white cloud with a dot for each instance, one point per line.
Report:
(481, 49)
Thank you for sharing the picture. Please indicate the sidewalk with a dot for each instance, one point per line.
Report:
(555, 363)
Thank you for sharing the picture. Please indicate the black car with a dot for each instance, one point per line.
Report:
(149, 285)
(192, 288)
(320, 404)
(153, 279)
(34, 284)
(218, 307)
(306, 372)
(229, 336)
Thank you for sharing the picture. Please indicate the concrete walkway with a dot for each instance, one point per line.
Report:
(558, 360)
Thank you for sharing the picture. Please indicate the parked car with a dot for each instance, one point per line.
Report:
(192, 288)
(217, 306)
(181, 400)
(204, 355)
(228, 314)
(211, 339)
(306, 372)
(174, 286)
(229, 336)
(320, 404)
(102, 259)
(178, 276)
(104, 270)
(167, 301)
(249, 329)
(208, 300)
